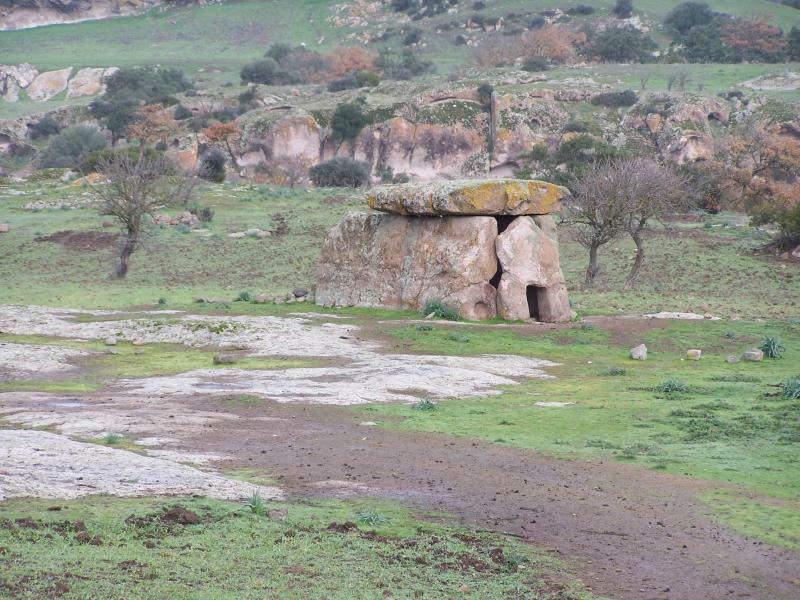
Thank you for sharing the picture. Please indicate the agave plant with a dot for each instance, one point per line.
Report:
(772, 347)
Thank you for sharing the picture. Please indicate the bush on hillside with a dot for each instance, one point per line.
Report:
(182, 113)
(623, 9)
(615, 99)
(94, 160)
(44, 127)
(535, 65)
(347, 121)
(403, 66)
(687, 15)
(68, 148)
(340, 172)
(622, 44)
(266, 71)
(212, 166)
(581, 9)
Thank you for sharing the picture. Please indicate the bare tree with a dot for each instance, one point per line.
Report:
(598, 210)
(137, 183)
(625, 196)
(654, 191)
(643, 80)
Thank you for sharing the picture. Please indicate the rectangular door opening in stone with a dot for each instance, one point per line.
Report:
(488, 248)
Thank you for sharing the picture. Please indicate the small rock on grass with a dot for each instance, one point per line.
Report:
(731, 359)
(753, 355)
(694, 354)
(4, 228)
(225, 359)
(111, 341)
(639, 352)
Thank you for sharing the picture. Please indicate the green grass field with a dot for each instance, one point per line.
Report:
(340, 550)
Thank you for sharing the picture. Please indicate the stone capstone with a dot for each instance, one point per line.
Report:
(532, 284)
(470, 197)
(400, 263)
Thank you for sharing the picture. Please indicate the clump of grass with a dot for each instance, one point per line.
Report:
(112, 439)
(505, 422)
(458, 337)
(771, 347)
(162, 301)
(613, 372)
(423, 327)
(638, 449)
(244, 296)
(671, 386)
(790, 388)
(602, 444)
(426, 405)
(371, 518)
(441, 311)
(256, 504)
(587, 326)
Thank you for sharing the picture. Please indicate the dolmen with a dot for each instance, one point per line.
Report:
(488, 248)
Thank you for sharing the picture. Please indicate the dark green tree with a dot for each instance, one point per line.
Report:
(687, 15)
(623, 9)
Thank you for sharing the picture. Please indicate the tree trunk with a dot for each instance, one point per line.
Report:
(125, 254)
(638, 261)
(594, 267)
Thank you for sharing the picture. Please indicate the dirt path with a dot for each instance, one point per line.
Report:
(635, 533)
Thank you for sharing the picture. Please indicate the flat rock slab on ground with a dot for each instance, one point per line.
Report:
(18, 361)
(46, 465)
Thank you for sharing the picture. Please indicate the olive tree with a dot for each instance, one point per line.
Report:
(136, 184)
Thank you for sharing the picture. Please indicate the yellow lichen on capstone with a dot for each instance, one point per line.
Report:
(490, 197)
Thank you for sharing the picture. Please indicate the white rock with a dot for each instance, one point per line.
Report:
(639, 352)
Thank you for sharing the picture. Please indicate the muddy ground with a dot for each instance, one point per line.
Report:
(627, 532)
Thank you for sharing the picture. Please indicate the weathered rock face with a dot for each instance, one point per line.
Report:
(532, 284)
(88, 82)
(397, 262)
(486, 197)
(14, 77)
(48, 84)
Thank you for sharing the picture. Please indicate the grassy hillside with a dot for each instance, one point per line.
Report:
(224, 36)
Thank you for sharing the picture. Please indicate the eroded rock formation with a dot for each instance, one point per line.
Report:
(485, 248)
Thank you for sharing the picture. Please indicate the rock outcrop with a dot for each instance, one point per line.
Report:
(48, 84)
(471, 245)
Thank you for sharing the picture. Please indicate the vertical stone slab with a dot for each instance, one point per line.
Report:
(528, 255)
(400, 262)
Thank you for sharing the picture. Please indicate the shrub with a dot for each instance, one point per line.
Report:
(614, 99)
(347, 121)
(537, 23)
(671, 386)
(440, 310)
(182, 113)
(412, 37)
(622, 44)
(44, 127)
(93, 161)
(212, 166)
(485, 93)
(581, 9)
(535, 65)
(69, 147)
(403, 66)
(348, 82)
(367, 78)
(687, 15)
(340, 172)
(426, 405)
(266, 71)
(623, 9)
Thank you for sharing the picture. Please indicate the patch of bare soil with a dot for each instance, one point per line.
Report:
(82, 240)
(635, 533)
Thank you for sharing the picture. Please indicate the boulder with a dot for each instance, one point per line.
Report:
(4, 228)
(470, 197)
(111, 341)
(48, 84)
(795, 253)
(731, 359)
(694, 354)
(532, 284)
(639, 352)
(399, 263)
(87, 82)
(753, 355)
